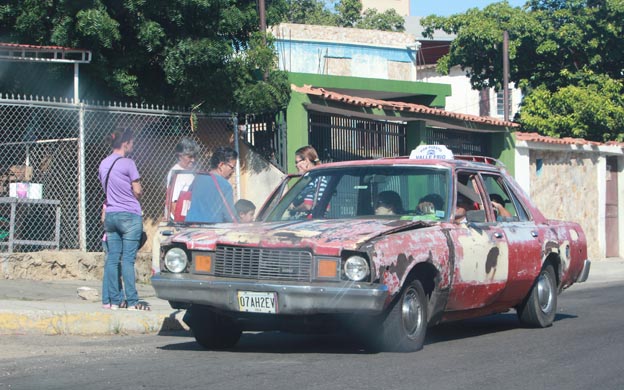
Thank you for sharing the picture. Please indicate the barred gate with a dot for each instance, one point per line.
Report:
(460, 142)
(267, 133)
(45, 136)
(343, 138)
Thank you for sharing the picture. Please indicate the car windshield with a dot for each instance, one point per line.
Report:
(380, 191)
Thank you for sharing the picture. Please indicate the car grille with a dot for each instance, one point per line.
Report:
(262, 263)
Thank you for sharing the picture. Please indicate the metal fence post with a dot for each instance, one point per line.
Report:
(236, 147)
(82, 208)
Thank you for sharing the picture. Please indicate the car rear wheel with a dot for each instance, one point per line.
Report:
(404, 327)
(211, 329)
(540, 306)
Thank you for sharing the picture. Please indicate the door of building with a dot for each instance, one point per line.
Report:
(611, 216)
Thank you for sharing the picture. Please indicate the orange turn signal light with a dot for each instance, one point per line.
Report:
(203, 263)
(327, 268)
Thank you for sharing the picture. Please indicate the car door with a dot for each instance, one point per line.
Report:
(522, 236)
(481, 251)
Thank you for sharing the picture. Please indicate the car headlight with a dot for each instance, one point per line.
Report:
(176, 260)
(356, 268)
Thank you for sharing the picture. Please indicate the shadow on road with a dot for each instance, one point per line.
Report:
(341, 343)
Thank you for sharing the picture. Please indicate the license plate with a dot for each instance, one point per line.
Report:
(257, 302)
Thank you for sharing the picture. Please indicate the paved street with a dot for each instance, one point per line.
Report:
(584, 349)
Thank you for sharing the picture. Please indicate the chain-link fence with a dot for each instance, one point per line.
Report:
(56, 149)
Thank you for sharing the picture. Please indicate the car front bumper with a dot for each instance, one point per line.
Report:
(293, 298)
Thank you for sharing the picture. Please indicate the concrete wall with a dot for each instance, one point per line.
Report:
(565, 188)
(568, 182)
(258, 177)
(342, 51)
(464, 99)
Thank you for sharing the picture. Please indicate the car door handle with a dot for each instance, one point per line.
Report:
(534, 233)
(498, 235)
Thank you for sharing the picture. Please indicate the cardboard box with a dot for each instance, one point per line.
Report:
(26, 190)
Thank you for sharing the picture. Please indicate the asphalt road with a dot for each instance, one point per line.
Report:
(584, 349)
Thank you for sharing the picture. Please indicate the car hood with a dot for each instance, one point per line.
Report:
(324, 237)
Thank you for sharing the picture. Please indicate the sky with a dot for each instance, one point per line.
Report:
(450, 7)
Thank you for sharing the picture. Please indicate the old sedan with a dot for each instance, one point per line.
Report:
(383, 247)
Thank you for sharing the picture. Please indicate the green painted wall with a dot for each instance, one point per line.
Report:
(434, 93)
(501, 144)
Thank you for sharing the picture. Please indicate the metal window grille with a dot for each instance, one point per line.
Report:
(460, 142)
(342, 138)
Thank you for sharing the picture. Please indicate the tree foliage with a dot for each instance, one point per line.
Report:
(155, 51)
(348, 13)
(558, 50)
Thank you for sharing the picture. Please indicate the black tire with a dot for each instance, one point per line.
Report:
(540, 306)
(211, 329)
(404, 327)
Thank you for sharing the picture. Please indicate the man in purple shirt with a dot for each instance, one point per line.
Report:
(123, 222)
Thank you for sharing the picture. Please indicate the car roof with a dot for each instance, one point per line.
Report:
(480, 163)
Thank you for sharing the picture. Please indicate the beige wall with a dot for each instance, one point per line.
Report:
(258, 177)
(566, 189)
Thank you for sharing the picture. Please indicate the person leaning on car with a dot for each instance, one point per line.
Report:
(212, 194)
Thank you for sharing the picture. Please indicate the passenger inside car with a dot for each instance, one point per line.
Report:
(389, 203)
(429, 203)
(499, 206)
(463, 206)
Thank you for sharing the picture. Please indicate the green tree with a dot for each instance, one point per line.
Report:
(388, 20)
(156, 51)
(309, 12)
(349, 12)
(554, 45)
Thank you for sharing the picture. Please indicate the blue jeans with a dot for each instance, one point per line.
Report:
(123, 234)
(105, 290)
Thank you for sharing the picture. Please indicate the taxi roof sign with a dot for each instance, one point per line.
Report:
(431, 152)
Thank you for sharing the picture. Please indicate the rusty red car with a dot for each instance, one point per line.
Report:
(384, 248)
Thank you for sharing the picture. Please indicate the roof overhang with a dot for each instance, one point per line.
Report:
(49, 54)
(331, 101)
(429, 121)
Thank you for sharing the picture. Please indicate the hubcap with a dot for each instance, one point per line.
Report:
(545, 293)
(411, 311)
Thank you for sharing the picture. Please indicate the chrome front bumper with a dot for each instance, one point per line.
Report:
(292, 298)
(584, 272)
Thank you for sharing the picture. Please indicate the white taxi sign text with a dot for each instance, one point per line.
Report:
(431, 152)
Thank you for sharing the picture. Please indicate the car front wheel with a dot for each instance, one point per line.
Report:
(404, 327)
(540, 306)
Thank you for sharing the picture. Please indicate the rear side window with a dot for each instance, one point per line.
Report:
(500, 194)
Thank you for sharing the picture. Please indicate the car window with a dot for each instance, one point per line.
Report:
(499, 195)
(364, 192)
(523, 215)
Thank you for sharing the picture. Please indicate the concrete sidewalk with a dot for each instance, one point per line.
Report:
(54, 307)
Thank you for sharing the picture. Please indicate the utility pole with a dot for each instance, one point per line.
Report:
(505, 75)
(262, 16)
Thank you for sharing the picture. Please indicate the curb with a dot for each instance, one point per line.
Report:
(77, 322)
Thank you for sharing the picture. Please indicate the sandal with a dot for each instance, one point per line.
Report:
(106, 306)
(123, 305)
(142, 306)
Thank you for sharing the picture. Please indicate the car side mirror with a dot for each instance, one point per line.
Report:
(475, 216)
